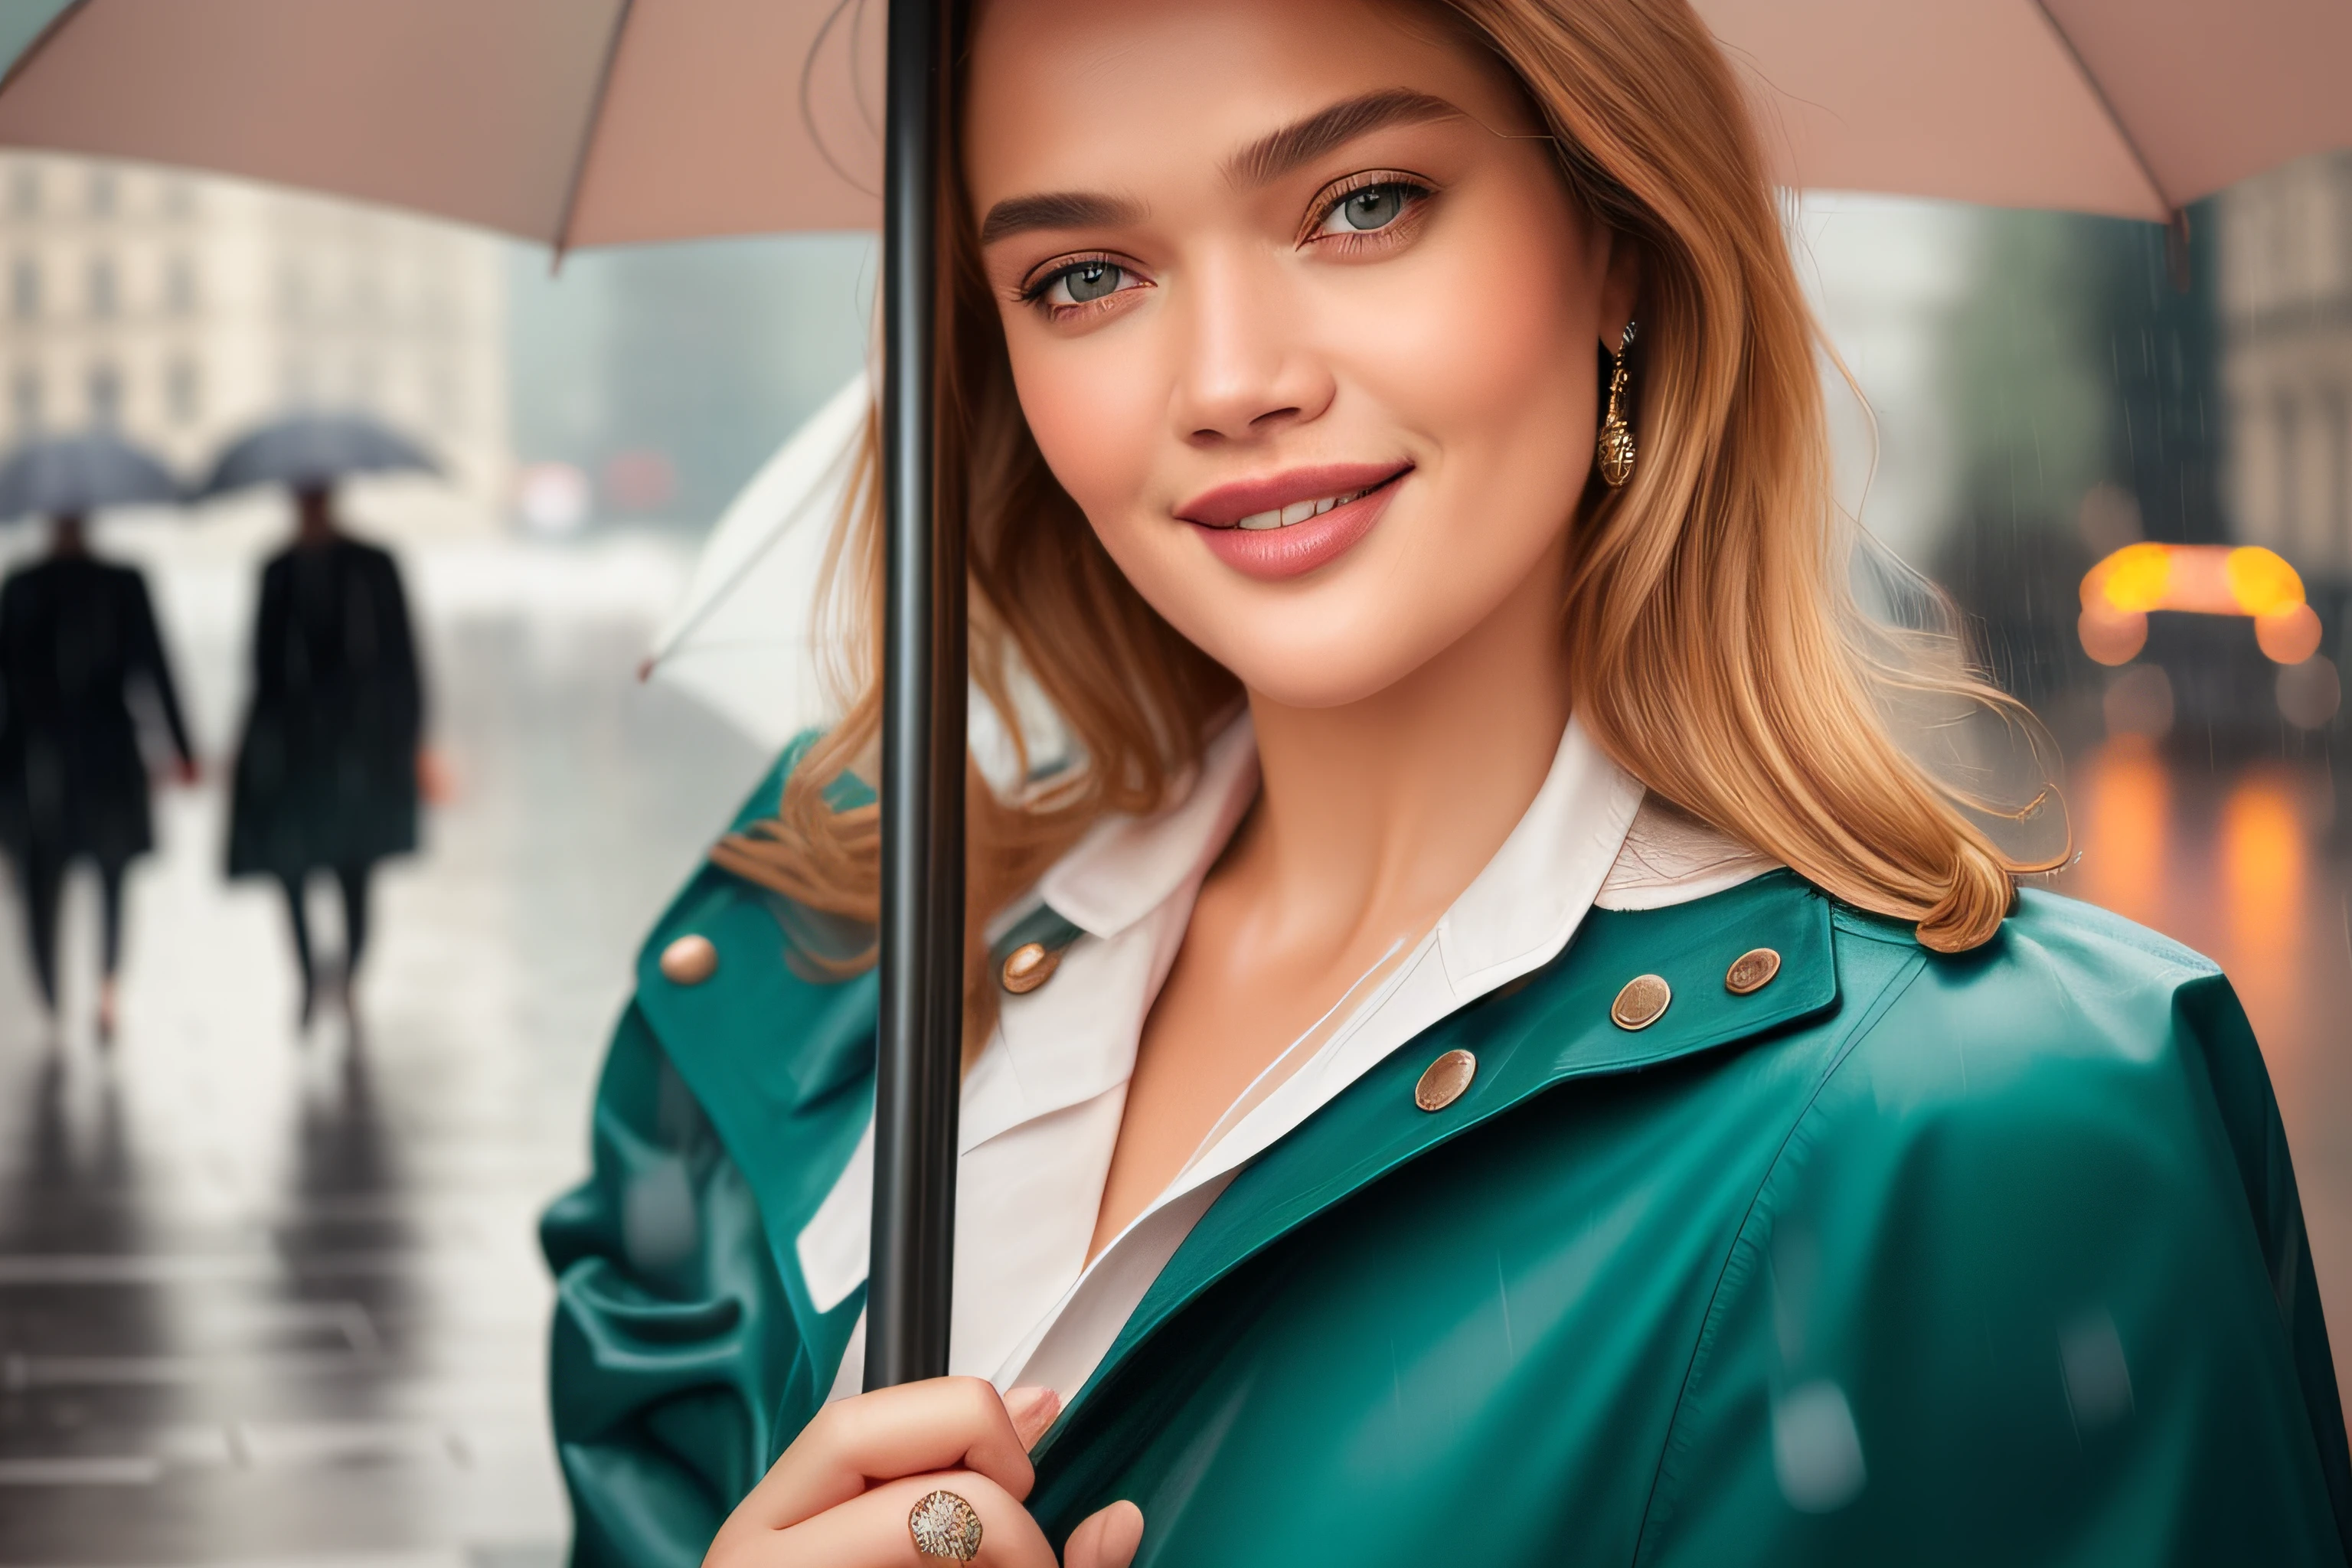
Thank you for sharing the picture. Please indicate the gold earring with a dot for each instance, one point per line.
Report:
(1615, 447)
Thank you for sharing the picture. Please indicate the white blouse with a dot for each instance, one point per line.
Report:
(1042, 1105)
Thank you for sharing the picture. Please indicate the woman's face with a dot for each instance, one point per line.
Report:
(1300, 313)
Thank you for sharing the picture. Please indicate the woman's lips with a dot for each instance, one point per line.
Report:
(1289, 525)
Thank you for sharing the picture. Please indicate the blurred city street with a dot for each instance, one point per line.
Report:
(265, 1299)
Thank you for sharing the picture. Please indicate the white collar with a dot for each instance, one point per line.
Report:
(1053, 1048)
(1127, 867)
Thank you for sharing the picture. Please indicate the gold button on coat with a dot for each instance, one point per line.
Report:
(1028, 966)
(1641, 1002)
(1443, 1081)
(690, 961)
(1751, 971)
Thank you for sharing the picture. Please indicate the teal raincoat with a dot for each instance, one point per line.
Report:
(1898, 1259)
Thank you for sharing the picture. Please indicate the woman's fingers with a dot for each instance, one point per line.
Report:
(1109, 1538)
(1033, 1410)
(943, 1423)
(871, 1530)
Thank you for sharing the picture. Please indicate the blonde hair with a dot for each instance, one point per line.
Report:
(1714, 648)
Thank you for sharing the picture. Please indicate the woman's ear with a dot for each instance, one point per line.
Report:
(1621, 289)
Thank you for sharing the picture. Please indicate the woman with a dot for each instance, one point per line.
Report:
(1489, 1053)
(77, 636)
(327, 775)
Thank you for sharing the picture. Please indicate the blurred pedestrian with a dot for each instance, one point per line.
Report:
(77, 637)
(326, 773)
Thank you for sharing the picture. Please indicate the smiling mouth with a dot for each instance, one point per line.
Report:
(1300, 511)
(1290, 514)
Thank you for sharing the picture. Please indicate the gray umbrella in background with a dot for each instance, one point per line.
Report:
(61, 475)
(314, 449)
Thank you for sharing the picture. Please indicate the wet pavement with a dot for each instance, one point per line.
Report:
(270, 1299)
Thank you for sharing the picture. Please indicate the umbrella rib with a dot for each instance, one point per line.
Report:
(727, 590)
(562, 242)
(2106, 106)
(808, 110)
(40, 41)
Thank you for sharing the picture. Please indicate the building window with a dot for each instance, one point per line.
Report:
(183, 391)
(179, 197)
(102, 293)
(24, 288)
(180, 285)
(103, 191)
(24, 191)
(25, 400)
(105, 394)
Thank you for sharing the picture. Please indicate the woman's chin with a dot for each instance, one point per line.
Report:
(1319, 673)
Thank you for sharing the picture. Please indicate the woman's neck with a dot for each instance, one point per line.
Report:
(1374, 816)
(1371, 820)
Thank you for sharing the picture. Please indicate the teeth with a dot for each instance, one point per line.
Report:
(1296, 512)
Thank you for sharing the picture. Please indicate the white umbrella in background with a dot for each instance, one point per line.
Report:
(741, 642)
(742, 639)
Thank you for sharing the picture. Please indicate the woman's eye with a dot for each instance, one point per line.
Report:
(1373, 207)
(1086, 282)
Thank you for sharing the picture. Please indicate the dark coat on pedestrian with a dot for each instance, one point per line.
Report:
(76, 636)
(326, 773)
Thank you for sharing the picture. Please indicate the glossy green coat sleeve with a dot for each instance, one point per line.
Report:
(673, 1339)
(685, 1350)
(2026, 1285)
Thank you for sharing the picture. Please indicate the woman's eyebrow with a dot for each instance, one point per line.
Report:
(1063, 209)
(1271, 157)
(1263, 161)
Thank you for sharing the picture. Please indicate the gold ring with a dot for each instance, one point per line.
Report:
(945, 1528)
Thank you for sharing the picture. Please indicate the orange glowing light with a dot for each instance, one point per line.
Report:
(2289, 635)
(2263, 857)
(2119, 592)
(2111, 637)
(2132, 581)
(2130, 802)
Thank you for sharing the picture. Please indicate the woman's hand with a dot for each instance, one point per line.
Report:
(840, 1495)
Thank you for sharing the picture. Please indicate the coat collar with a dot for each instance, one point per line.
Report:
(1130, 882)
(1552, 1028)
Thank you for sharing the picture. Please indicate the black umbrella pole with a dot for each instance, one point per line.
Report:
(919, 1074)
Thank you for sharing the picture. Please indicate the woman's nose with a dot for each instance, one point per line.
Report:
(1245, 371)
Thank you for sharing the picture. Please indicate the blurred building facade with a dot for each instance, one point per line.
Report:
(182, 309)
(2286, 307)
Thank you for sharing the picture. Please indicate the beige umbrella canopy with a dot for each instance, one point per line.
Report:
(573, 123)
(2130, 108)
(585, 122)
